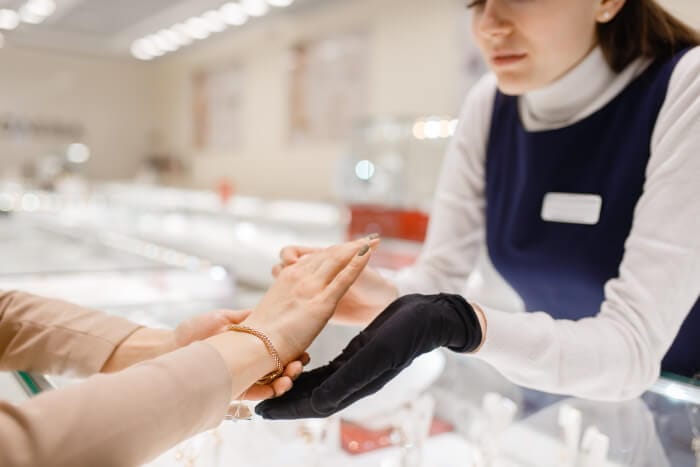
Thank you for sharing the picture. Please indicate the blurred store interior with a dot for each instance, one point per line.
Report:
(156, 155)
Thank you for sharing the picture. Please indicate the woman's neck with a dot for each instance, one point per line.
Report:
(586, 88)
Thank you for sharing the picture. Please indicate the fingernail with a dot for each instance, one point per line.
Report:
(363, 251)
(372, 236)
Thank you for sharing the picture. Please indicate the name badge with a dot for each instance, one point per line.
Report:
(572, 208)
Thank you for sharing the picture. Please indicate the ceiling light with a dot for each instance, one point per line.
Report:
(162, 43)
(255, 7)
(180, 35)
(214, 20)
(197, 28)
(41, 7)
(9, 19)
(419, 129)
(171, 38)
(280, 3)
(27, 16)
(138, 50)
(432, 129)
(146, 47)
(234, 14)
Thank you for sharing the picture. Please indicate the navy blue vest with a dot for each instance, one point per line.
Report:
(562, 268)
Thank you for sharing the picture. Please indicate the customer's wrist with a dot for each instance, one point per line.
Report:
(143, 344)
(246, 357)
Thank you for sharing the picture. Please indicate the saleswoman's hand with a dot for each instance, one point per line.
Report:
(367, 297)
(409, 327)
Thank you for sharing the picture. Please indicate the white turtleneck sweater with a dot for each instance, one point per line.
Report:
(616, 354)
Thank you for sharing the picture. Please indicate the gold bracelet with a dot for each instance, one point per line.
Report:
(479, 311)
(270, 377)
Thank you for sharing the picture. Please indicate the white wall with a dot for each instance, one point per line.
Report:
(414, 64)
(414, 69)
(113, 99)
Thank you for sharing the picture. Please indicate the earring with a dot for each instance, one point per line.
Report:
(606, 16)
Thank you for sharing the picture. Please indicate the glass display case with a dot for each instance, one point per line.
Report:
(452, 411)
(243, 234)
(109, 271)
(444, 410)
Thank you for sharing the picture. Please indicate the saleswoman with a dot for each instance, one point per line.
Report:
(578, 161)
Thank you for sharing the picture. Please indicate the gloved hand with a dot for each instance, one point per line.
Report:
(409, 327)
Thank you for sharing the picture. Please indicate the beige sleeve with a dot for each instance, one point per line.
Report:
(55, 337)
(120, 419)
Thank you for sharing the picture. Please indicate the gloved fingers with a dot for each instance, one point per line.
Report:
(325, 403)
(283, 409)
(364, 367)
(292, 404)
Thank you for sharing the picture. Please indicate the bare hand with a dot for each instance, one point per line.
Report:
(365, 299)
(305, 295)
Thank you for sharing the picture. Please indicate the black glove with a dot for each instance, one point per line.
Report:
(409, 327)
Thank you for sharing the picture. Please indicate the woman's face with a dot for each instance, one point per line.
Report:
(531, 43)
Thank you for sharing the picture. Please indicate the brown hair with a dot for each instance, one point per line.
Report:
(642, 28)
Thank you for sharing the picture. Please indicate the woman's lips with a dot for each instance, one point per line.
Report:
(507, 59)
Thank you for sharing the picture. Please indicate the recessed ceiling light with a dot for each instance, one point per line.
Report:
(146, 47)
(181, 36)
(197, 28)
(200, 27)
(214, 20)
(280, 3)
(29, 17)
(9, 19)
(234, 14)
(255, 7)
(41, 7)
(163, 43)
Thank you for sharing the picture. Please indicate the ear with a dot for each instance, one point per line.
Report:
(608, 9)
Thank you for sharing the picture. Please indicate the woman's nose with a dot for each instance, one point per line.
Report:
(491, 22)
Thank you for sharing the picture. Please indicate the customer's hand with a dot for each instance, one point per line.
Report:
(293, 311)
(306, 294)
(210, 324)
(367, 297)
(409, 327)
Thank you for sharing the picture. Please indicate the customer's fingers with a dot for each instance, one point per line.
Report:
(291, 254)
(331, 261)
(293, 370)
(347, 276)
(276, 388)
(282, 385)
(236, 316)
(277, 269)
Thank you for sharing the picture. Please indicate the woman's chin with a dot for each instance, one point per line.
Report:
(514, 85)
